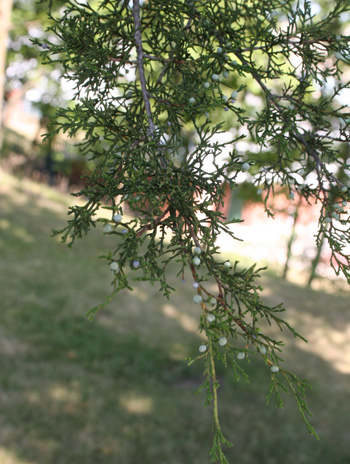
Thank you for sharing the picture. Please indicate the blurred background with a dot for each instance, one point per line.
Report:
(118, 389)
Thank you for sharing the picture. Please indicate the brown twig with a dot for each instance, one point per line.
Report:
(152, 224)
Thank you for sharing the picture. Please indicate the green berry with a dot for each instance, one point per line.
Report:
(274, 368)
(222, 341)
(240, 355)
(219, 50)
(215, 77)
(192, 100)
(227, 264)
(206, 85)
(226, 74)
(234, 94)
(327, 220)
(197, 299)
(196, 261)
(107, 228)
(197, 250)
(246, 166)
(213, 301)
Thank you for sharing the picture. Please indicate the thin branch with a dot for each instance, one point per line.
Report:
(320, 166)
(140, 56)
(153, 224)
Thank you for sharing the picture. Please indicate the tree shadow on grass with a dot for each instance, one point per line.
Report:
(112, 391)
(78, 394)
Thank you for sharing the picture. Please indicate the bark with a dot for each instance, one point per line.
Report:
(5, 24)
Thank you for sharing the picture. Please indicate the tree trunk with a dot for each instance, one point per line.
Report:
(291, 239)
(315, 261)
(5, 22)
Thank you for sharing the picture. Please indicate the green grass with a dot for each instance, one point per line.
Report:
(117, 390)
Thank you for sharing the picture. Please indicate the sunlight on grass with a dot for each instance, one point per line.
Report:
(7, 457)
(134, 404)
(22, 234)
(330, 344)
(61, 393)
(188, 323)
(140, 294)
(4, 224)
(33, 397)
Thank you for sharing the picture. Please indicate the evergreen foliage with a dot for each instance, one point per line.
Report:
(157, 85)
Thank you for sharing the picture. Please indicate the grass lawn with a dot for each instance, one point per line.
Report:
(117, 390)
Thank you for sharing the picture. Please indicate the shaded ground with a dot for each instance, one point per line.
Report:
(118, 390)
